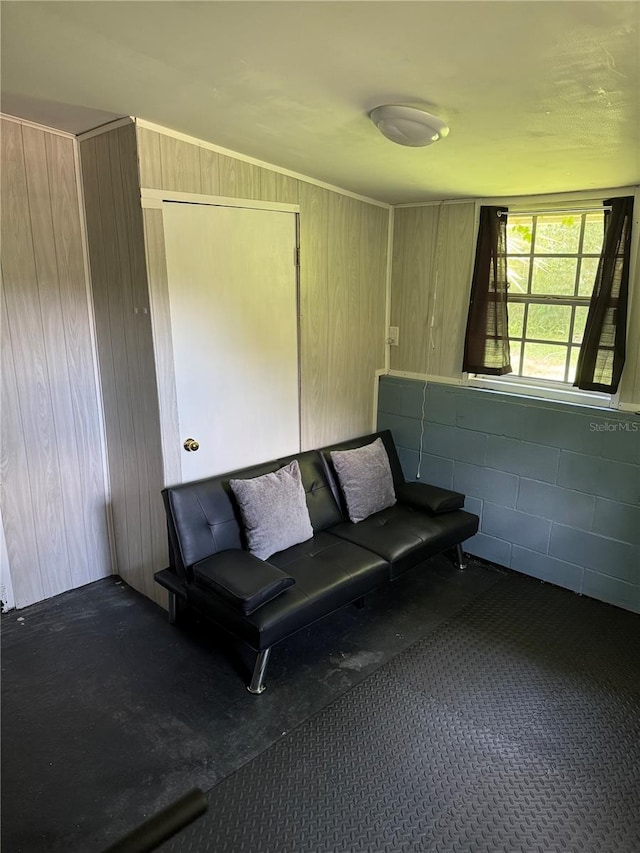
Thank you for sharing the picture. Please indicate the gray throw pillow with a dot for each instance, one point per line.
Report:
(274, 510)
(365, 478)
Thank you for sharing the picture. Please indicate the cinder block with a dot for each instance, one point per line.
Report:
(470, 446)
(565, 506)
(473, 505)
(607, 556)
(436, 471)
(603, 477)
(486, 483)
(517, 527)
(547, 568)
(439, 440)
(519, 457)
(389, 396)
(565, 429)
(619, 521)
(406, 431)
(411, 403)
(442, 403)
(489, 548)
(490, 415)
(612, 590)
(409, 462)
(620, 437)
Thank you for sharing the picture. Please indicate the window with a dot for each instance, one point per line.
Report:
(552, 259)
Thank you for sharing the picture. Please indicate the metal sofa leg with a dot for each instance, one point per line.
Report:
(257, 686)
(460, 558)
(173, 608)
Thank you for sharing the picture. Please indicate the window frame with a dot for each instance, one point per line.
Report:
(554, 390)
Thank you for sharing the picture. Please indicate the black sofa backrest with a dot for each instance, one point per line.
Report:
(203, 516)
(361, 441)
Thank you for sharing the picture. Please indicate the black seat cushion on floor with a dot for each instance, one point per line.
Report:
(405, 537)
(329, 572)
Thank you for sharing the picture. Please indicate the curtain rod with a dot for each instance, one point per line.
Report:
(551, 211)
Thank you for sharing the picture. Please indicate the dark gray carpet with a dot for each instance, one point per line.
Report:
(513, 727)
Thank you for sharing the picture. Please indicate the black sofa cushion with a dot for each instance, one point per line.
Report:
(242, 579)
(429, 498)
(330, 572)
(406, 537)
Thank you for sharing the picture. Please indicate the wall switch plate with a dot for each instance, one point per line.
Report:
(394, 334)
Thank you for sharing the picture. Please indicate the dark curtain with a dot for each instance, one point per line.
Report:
(602, 353)
(486, 344)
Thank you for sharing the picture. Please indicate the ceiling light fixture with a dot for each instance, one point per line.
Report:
(408, 125)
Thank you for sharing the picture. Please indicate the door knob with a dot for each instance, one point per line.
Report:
(191, 445)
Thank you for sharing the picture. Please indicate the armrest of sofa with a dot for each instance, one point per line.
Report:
(241, 579)
(428, 498)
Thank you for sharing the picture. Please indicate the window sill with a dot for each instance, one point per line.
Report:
(540, 390)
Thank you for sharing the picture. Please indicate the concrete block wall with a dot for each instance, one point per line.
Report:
(556, 486)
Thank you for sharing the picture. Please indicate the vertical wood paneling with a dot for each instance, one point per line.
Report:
(454, 261)
(163, 344)
(149, 158)
(237, 178)
(413, 252)
(19, 515)
(431, 273)
(209, 172)
(316, 404)
(125, 343)
(88, 436)
(53, 493)
(180, 163)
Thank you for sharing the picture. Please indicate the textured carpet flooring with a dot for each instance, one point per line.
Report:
(513, 727)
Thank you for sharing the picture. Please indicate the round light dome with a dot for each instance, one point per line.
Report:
(408, 125)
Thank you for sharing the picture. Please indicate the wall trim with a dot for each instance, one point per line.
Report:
(376, 386)
(36, 126)
(542, 198)
(210, 146)
(426, 377)
(104, 128)
(151, 198)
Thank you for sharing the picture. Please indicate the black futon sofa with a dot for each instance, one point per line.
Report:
(263, 602)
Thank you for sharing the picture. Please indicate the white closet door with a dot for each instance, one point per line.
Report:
(234, 321)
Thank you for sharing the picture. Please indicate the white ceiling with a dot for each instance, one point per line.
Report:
(540, 96)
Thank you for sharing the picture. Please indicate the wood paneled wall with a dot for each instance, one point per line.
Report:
(126, 356)
(433, 250)
(343, 264)
(53, 492)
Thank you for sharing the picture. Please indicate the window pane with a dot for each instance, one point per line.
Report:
(554, 276)
(588, 271)
(593, 233)
(519, 232)
(516, 319)
(514, 351)
(518, 274)
(549, 322)
(544, 361)
(558, 235)
(579, 324)
(573, 363)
